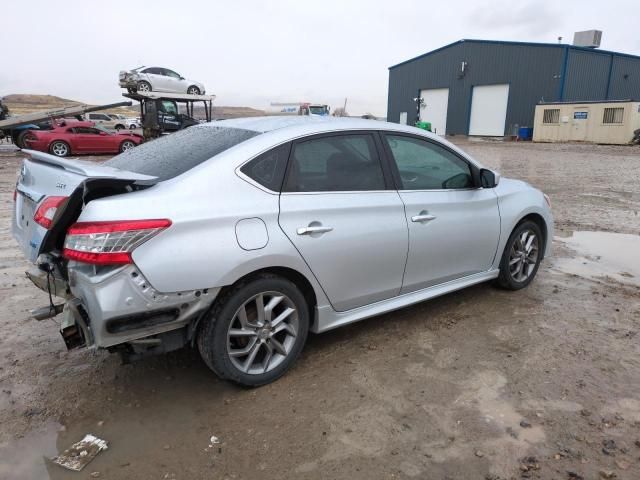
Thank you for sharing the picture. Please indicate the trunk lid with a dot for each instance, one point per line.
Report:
(44, 175)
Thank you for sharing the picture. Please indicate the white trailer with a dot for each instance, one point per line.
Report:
(298, 108)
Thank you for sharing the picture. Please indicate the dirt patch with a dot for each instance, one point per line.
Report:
(481, 383)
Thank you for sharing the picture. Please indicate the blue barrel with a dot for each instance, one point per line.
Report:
(525, 133)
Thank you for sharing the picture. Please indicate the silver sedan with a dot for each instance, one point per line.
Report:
(241, 236)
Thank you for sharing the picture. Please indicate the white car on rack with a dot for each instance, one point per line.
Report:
(158, 79)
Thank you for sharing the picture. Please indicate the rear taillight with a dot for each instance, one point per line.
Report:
(47, 210)
(109, 243)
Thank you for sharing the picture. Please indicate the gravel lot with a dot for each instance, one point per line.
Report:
(542, 383)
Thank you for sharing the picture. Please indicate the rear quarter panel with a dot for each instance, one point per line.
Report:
(200, 250)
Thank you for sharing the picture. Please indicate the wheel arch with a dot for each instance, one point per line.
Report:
(299, 279)
(194, 85)
(290, 274)
(538, 220)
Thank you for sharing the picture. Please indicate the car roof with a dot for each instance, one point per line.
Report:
(308, 124)
(279, 128)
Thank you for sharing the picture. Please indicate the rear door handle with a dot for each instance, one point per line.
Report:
(423, 217)
(310, 229)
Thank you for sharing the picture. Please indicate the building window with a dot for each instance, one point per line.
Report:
(613, 115)
(551, 115)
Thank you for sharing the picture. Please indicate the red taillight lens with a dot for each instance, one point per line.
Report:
(46, 211)
(109, 243)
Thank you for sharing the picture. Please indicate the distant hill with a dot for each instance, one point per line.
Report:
(26, 103)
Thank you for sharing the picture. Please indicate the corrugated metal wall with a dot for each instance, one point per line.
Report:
(534, 73)
(625, 79)
(587, 75)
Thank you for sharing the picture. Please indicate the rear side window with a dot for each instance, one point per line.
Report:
(170, 156)
(268, 169)
(338, 163)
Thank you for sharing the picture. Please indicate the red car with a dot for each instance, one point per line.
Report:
(80, 137)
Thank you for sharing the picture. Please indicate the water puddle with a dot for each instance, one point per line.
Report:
(27, 456)
(602, 254)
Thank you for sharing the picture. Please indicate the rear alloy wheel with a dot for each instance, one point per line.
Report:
(521, 257)
(126, 145)
(19, 139)
(132, 127)
(193, 90)
(144, 87)
(59, 149)
(255, 331)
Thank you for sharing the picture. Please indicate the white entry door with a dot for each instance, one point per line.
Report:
(434, 110)
(489, 110)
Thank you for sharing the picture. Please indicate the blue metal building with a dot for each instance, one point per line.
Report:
(486, 87)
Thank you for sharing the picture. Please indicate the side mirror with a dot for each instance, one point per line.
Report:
(488, 178)
(103, 133)
(181, 78)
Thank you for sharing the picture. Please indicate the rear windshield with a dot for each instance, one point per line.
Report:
(174, 154)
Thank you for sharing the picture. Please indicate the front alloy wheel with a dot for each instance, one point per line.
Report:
(60, 149)
(255, 331)
(521, 257)
(127, 145)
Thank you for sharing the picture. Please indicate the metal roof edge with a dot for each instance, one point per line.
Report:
(628, 100)
(528, 44)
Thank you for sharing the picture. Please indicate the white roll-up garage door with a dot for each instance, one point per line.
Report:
(434, 108)
(489, 110)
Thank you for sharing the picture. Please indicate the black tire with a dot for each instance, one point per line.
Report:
(132, 127)
(212, 335)
(193, 90)
(62, 151)
(19, 139)
(143, 86)
(120, 127)
(507, 279)
(126, 145)
(131, 90)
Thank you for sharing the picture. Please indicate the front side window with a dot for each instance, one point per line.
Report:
(333, 164)
(170, 73)
(86, 130)
(426, 166)
(268, 168)
(169, 107)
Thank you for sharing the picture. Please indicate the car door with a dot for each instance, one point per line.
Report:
(156, 78)
(174, 81)
(338, 207)
(454, 226)
(92, 140)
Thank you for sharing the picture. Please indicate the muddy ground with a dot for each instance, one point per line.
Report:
(542, 383)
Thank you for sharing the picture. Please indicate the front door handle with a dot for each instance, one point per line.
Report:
(424, 216)
(313, 229)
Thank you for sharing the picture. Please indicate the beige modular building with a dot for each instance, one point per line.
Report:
(611, 122)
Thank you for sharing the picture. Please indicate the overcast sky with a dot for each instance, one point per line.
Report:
(250, 53)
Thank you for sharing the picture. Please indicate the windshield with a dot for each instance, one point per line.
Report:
(174, 154)
(101, 128)
(318, 110)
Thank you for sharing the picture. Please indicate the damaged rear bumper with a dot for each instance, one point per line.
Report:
(110, 306)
